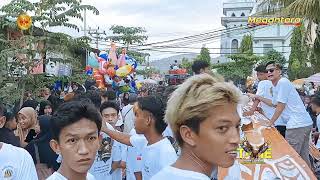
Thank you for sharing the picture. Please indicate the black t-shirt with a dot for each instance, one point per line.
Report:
(7, 136)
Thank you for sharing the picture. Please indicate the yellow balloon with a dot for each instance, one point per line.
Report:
(124, 71)
(139, 85)
(24, 21)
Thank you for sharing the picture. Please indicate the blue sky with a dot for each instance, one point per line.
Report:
(163, 19)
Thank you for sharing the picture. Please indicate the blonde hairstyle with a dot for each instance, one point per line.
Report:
(193, 99)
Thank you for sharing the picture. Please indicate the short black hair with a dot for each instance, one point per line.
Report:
(43, 105)
(110, 104)
(10, 116)
(156, 107)
(111, 95)
(95, 97)
(72, 112)
(3, 110)
(198, 65)
(261, 68)
(277, 65)
(90, 96)
(316, 100)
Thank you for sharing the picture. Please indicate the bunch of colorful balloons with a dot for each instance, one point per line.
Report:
(109, 69)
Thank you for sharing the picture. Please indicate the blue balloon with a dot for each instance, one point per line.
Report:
(131, 61)
(57, 85)
(104, 56)
(89, 72)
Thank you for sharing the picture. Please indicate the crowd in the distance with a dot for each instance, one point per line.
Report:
(180, 133)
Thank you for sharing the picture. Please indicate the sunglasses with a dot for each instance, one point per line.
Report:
(271, 70)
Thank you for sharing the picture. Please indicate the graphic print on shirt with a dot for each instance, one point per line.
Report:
(7, 172)
(104, 152)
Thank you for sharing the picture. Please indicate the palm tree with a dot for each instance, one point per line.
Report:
(309, 10)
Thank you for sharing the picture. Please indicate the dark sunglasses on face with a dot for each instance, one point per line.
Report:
(271, 70)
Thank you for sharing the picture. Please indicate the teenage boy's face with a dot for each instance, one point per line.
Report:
(262, 76)
(2, 121)
(219, 137)
(110, 115)
(142, 119)
(12, 125)
(273, 72)
(78, 145)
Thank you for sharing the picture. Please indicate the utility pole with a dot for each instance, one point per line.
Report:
(97, 35)
(85, 22)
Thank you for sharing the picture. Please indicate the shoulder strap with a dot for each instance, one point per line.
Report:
(127, 112)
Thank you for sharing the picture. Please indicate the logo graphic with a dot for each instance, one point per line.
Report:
(7, 172)
(104, 152)
(24, 21)
(253, 148)
(258, 21)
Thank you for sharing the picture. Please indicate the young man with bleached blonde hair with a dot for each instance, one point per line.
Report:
(203, 115)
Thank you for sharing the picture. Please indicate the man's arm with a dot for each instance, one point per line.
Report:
(253, 108)
(279, 109)
(118, 136)
(265, 100)
(138, 175)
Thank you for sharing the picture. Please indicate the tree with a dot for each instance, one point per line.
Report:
(274, 55)
(298, 67)
(246, 45)
(239, 68)
(128, 35)
(22, 47)
(187, 64)
(309, 10)
(204, 55)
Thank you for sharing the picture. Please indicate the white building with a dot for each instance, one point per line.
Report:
(265, 38)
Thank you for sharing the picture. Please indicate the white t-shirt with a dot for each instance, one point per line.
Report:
(167, 132)
(265, 89)
(295, 112)
(128, 117)
(134, 158)
(155, 156)
(110, 151)
(16, 163)
(58, 176)
(170, 172)
(318, 125)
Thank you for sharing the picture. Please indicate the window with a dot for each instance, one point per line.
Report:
(234, 46)
(242, 14)
(233, 15)
(267, 48)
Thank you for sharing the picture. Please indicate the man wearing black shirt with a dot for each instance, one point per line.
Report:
(6, 134)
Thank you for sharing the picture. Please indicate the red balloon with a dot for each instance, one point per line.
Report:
(111, 72)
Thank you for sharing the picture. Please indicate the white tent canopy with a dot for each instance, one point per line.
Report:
(314, 78)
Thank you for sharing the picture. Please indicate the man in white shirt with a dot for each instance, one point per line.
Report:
(289, 105)
(265, 90)
(134, 160)
(111, 156)
(15, 163)
(315, 105)
(203, 116)
(128, 114)
(75, 129)
(157, 152)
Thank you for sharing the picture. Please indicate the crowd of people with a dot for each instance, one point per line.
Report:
(180, 133)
